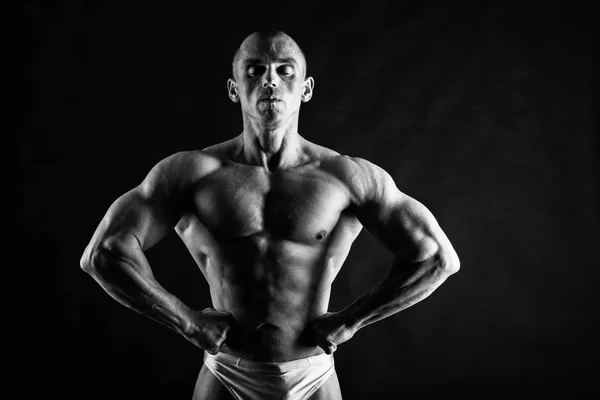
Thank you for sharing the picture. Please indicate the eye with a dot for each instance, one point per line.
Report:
(255, 70)
(286, 70)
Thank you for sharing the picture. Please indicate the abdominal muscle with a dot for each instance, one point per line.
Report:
(272, 304)
(264, 335)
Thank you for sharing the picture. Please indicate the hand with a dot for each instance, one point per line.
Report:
(209, 329)
(328, 331)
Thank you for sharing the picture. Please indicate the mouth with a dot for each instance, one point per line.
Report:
(270, 99)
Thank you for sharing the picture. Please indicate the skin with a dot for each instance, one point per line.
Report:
(269, 218)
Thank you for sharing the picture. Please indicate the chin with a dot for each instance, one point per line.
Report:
(271, 117)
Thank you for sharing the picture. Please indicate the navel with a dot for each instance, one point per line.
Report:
(321, 235)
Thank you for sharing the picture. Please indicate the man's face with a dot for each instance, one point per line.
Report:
(269, 81)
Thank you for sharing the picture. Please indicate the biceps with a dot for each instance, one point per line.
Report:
(136, 214)
(405, 226)
(418, 229)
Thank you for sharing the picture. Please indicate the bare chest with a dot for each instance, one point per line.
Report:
(301, 205)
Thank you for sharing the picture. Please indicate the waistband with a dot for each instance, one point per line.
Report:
(269, 366)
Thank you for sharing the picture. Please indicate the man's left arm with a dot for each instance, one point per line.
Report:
(424, 257)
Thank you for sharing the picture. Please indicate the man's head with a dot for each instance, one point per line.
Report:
(269, 77)
(267, 34)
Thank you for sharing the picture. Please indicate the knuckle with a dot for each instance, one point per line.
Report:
(212, 348)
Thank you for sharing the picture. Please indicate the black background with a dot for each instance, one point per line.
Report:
(482, 112)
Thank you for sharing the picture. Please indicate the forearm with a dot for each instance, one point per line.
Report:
(124, 273)
(405, 285)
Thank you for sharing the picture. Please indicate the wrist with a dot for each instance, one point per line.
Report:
(350, 319)
(188, 326)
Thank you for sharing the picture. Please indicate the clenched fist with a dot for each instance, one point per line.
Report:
(209, 329)
(328, 331)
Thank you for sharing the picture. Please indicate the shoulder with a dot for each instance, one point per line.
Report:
(313, 151)
(185, 164)
(179, 170)
(365, 181)
(225, 150)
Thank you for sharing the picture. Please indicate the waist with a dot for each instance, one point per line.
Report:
(269, 343)
(270, 367)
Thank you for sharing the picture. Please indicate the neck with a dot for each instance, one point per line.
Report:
(272, 147)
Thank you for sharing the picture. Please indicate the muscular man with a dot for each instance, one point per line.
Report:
(269, 218)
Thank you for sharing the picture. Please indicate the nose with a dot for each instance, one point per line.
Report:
(270, 78)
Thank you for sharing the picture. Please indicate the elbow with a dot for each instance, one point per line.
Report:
(86, 262)
(450, 262)
(97, 256)
(441, 256)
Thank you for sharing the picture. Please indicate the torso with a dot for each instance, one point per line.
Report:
(269, 244)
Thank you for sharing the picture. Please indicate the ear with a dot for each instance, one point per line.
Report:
(309, 84)
(233, 90)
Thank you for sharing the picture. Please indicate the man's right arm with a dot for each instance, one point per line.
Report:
(115, 256)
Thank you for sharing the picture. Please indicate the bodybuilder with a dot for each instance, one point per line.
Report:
(269, 218)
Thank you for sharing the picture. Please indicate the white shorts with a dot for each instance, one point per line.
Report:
(289, 380)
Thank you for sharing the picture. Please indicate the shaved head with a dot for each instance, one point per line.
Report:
(269, 78)
(275, 38)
